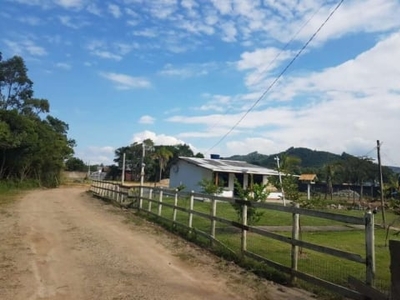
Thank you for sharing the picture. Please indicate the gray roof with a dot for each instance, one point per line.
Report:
(228, 166)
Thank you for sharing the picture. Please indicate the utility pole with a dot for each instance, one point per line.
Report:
(378, 148)
(280, 179)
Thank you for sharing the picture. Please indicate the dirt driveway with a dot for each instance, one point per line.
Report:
(63, 244)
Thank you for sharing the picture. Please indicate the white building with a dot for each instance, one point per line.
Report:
(189, 171)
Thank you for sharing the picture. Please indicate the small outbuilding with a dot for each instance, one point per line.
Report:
(190, 171)
(309, 179)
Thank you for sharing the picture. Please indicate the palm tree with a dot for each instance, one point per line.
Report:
(330, 171)
(162, 154)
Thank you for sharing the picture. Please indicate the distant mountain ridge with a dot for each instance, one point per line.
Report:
(310, 159)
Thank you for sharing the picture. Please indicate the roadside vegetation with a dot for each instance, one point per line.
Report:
(33, 144)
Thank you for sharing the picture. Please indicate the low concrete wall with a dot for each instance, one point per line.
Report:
(74, 175)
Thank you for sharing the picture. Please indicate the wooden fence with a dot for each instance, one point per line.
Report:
(137, 196)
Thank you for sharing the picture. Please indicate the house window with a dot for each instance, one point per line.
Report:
(221, 179)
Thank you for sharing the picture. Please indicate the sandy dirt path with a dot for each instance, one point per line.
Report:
(63, 244)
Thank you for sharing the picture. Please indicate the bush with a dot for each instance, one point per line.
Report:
(255, 193)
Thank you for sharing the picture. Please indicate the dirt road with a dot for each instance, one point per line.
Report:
(63, 244)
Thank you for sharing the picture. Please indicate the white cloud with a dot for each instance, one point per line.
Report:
(158, 139)
(107, 54)
(126, 82)
(97, 155)
(162, 9)
(189, 70)
(372, 72)
(114, 10)
(64, 66)
(114, 51)
(146, 32)
(223, 6)
(146, 119)
(70, 3)
(229, 31)
(261, 63)
(340, 109)
(74, 23)
(25, 46)
(94, 9)
(33, 21)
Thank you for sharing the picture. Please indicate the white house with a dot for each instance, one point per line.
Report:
(189, 171)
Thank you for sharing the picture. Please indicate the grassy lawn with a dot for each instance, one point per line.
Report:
(320, 265)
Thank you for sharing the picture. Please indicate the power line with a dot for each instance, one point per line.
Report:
(279, 76)
(279, 53)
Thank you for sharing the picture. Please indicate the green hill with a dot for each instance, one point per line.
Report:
(309, 158)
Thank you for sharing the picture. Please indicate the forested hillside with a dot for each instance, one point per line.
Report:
(33, 144)
(309, 158)
(328, 166)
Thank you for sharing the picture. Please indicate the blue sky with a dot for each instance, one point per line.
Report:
(186, 71)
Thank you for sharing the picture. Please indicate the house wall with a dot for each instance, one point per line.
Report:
(189, 175)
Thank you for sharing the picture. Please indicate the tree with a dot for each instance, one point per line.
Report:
(75, 164)
(209, 187)
(16, 90)
(254, 193)
(329, 172)
(30, 147)
(162, 155)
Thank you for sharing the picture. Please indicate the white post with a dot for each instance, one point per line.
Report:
(244, 231)
(160, 199)
(308, 191)
(191, 204)
(123, 169)
(150, 197)
(142, 177)
(370, 247)
(295, 249)
(213, 214)
(175, 205)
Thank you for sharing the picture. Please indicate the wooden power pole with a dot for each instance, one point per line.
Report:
(378, 148)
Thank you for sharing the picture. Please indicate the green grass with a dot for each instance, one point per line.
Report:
(9, 189)
(320, 265)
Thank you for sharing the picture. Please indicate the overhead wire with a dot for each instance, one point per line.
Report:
(279, 76)
(280, 52)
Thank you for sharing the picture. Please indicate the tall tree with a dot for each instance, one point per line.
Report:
(162, 155)
(30, 147)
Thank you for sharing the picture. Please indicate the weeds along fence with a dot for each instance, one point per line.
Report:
(289, 239)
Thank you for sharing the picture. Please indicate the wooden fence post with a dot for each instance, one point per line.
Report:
(175, 205)
(118, 194)
(150, 197)
(191, 204)
(394, 247)
(295, 249)
(370, 247)
(244, 231)
(213, 214)
(141, 196)
(160, 199)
